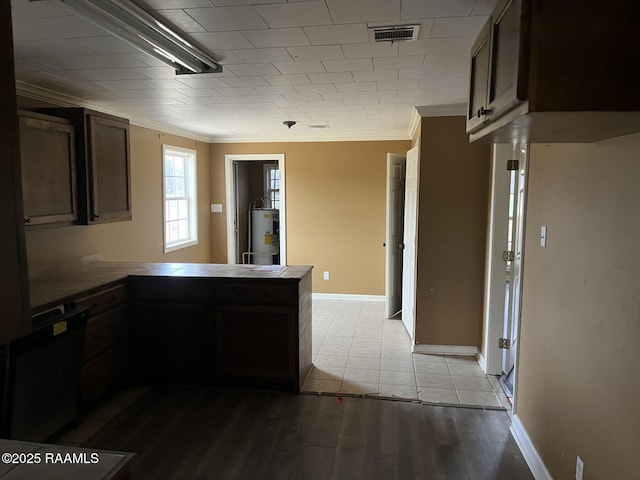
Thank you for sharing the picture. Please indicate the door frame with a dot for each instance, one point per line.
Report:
(390, 220)
(410, 254)
(231, 200)
(495, 298)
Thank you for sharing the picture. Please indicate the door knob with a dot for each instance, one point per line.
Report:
(401, 246)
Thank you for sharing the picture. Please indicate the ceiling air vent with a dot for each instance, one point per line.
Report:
(394, 33)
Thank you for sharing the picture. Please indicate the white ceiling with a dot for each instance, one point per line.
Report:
(307, 61)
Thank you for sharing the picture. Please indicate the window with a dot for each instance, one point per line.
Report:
(272, 184)
(180, 198)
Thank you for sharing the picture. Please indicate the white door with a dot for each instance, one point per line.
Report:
(394, 233)
(409, 257)
(517, 211)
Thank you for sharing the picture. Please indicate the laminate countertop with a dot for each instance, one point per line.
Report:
(65, 285)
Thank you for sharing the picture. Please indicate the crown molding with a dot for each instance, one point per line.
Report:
(63, 100)
(414, 123)
(453, 110)
(365, 137)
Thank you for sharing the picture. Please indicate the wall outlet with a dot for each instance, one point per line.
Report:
(326, 275)
(579, 468)
(216, 208)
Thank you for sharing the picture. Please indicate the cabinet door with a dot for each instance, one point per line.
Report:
(110, 171)
(479, 81)
(509, 57)
(172, 343)
(256, 341)
(48, 171)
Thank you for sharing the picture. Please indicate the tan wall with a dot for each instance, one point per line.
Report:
(578, 390)
(452, 233)
(335, 194)
(140, 239)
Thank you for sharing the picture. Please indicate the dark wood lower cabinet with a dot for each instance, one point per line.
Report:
(255, 344)
(172, 343)
(223, 332)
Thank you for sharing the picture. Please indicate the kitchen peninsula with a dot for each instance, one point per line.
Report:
(187, 324)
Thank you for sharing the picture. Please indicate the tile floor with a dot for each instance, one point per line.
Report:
(356, 350)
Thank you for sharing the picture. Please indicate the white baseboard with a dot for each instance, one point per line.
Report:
(348, 297)
(529, 452)
(446, 350)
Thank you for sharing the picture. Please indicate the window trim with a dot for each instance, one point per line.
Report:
(191, 194)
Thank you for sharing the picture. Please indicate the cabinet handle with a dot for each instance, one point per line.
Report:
(95, 216)
(27, 220)
(484, 111)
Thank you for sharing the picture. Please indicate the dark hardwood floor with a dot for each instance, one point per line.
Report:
(198, 434)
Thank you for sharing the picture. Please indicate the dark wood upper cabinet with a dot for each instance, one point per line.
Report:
(48, 161)
(102, 150)
(548, 71)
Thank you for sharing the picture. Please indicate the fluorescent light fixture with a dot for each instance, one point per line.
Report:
(133, 24)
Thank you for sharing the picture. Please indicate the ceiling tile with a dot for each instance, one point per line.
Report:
(341, 96)
(337, 34)
(105, 74)
(457, 26)
(235, 91)
(295, 14)
(277, 90)
(376, 76)
(223, 3)
(277, 80)
(201, 82)
(370, 50)
(483, 7)
(95, 61)
(321, 88)
(398, 85)
(304, 54)
(356, 65)
(222, 40)
(175, 4)
(52, 47)
(455, 65)
(220, 19)
(358, 11)
(28, 9)
(105, 44)
(299, 67)
(244, 81)
(252, 69)
(283, 37)
(339, 77)
(182, 21)
(437, 45)
(395, 63)
(435, 8)
(356, 87)
(263, 55)
(54, 28)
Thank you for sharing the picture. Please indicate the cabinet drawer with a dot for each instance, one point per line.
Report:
(105, 300)
(171, 290)
(256, 294)
(104, 373)
(104, 331)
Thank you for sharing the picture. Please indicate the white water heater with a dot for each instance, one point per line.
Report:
(265, 236)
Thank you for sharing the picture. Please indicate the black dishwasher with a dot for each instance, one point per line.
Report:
(42, 369)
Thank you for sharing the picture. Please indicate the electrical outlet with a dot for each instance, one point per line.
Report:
(326, 275)
(579, 468)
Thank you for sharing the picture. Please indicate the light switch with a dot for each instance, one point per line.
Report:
(543, 235)
(216, 208)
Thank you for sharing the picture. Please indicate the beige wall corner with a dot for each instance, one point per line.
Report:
(452, 234)
(335, 194)
(577, 388)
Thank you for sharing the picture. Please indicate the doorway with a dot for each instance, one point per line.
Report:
(505, 262)
(394, 233)
(255, 187)
(401, 236)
